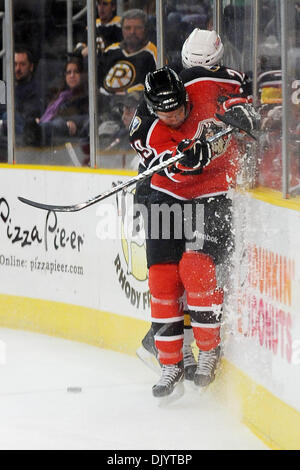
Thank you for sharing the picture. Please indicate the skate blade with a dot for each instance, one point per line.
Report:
(177, 393)
(148, 359)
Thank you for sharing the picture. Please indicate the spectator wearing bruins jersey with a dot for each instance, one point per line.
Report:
(108, 28)
(124, 65)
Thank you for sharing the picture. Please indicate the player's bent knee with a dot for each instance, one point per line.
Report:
(164, 281)
(198, 272)
(166, 291)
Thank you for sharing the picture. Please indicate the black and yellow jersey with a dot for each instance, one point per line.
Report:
(120, 71)
(106, 34)
(109, 33)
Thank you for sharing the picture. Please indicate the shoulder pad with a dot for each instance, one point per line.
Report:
(116, 20)
(221, 72)
(115, 45)
(135, 124)
(143, 110)
(141, 120)
(151, 47)
(194, 72)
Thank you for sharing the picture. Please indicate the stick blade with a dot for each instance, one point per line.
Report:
(49, 207)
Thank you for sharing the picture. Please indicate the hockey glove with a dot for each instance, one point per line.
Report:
(197, 154)
(242, 116)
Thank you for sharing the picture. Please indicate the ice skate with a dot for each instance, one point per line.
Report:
(147, 352)
(170, 385)
(207, 364)
(189, 361)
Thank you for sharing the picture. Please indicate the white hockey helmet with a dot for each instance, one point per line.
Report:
(202, 47)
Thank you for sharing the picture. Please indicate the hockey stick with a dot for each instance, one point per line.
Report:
(141, 177)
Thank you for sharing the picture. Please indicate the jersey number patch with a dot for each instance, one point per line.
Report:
(143, 151)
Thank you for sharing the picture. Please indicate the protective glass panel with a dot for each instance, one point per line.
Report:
(3, 128)
(51, 91)
(52, 75)
(236, 30)
(270, 95)
(3, 125)
(180, 19)
(293, 73)
(128, 54)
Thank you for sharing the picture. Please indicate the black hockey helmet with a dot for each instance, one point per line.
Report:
(164, 90)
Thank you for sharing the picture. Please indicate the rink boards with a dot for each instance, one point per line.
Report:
(82, 276)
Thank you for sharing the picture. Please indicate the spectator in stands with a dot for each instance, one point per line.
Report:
(108, 28)
(67, 111)
(128, 104)
(27, 98)
(114, 127)
(28, 101)
(123, 66)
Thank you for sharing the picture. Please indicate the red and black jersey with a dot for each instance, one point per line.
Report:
(154, 141)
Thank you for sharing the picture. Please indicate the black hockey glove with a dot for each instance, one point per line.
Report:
(197, 154)
(242, 116)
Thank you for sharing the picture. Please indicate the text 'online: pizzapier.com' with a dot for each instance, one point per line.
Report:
(37, 264)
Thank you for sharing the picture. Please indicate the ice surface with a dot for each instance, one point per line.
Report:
(115, 409)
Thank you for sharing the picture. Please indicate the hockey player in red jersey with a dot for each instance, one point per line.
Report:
(179, 115)
(201, 48)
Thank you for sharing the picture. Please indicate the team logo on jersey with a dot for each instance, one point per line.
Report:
(120, 76)
(209, 129)
(134, 125)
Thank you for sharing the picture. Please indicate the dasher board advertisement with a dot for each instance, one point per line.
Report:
(87, 258)
(263, 308)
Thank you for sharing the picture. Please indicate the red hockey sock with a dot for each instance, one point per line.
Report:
(167, 315)
(204, 299)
